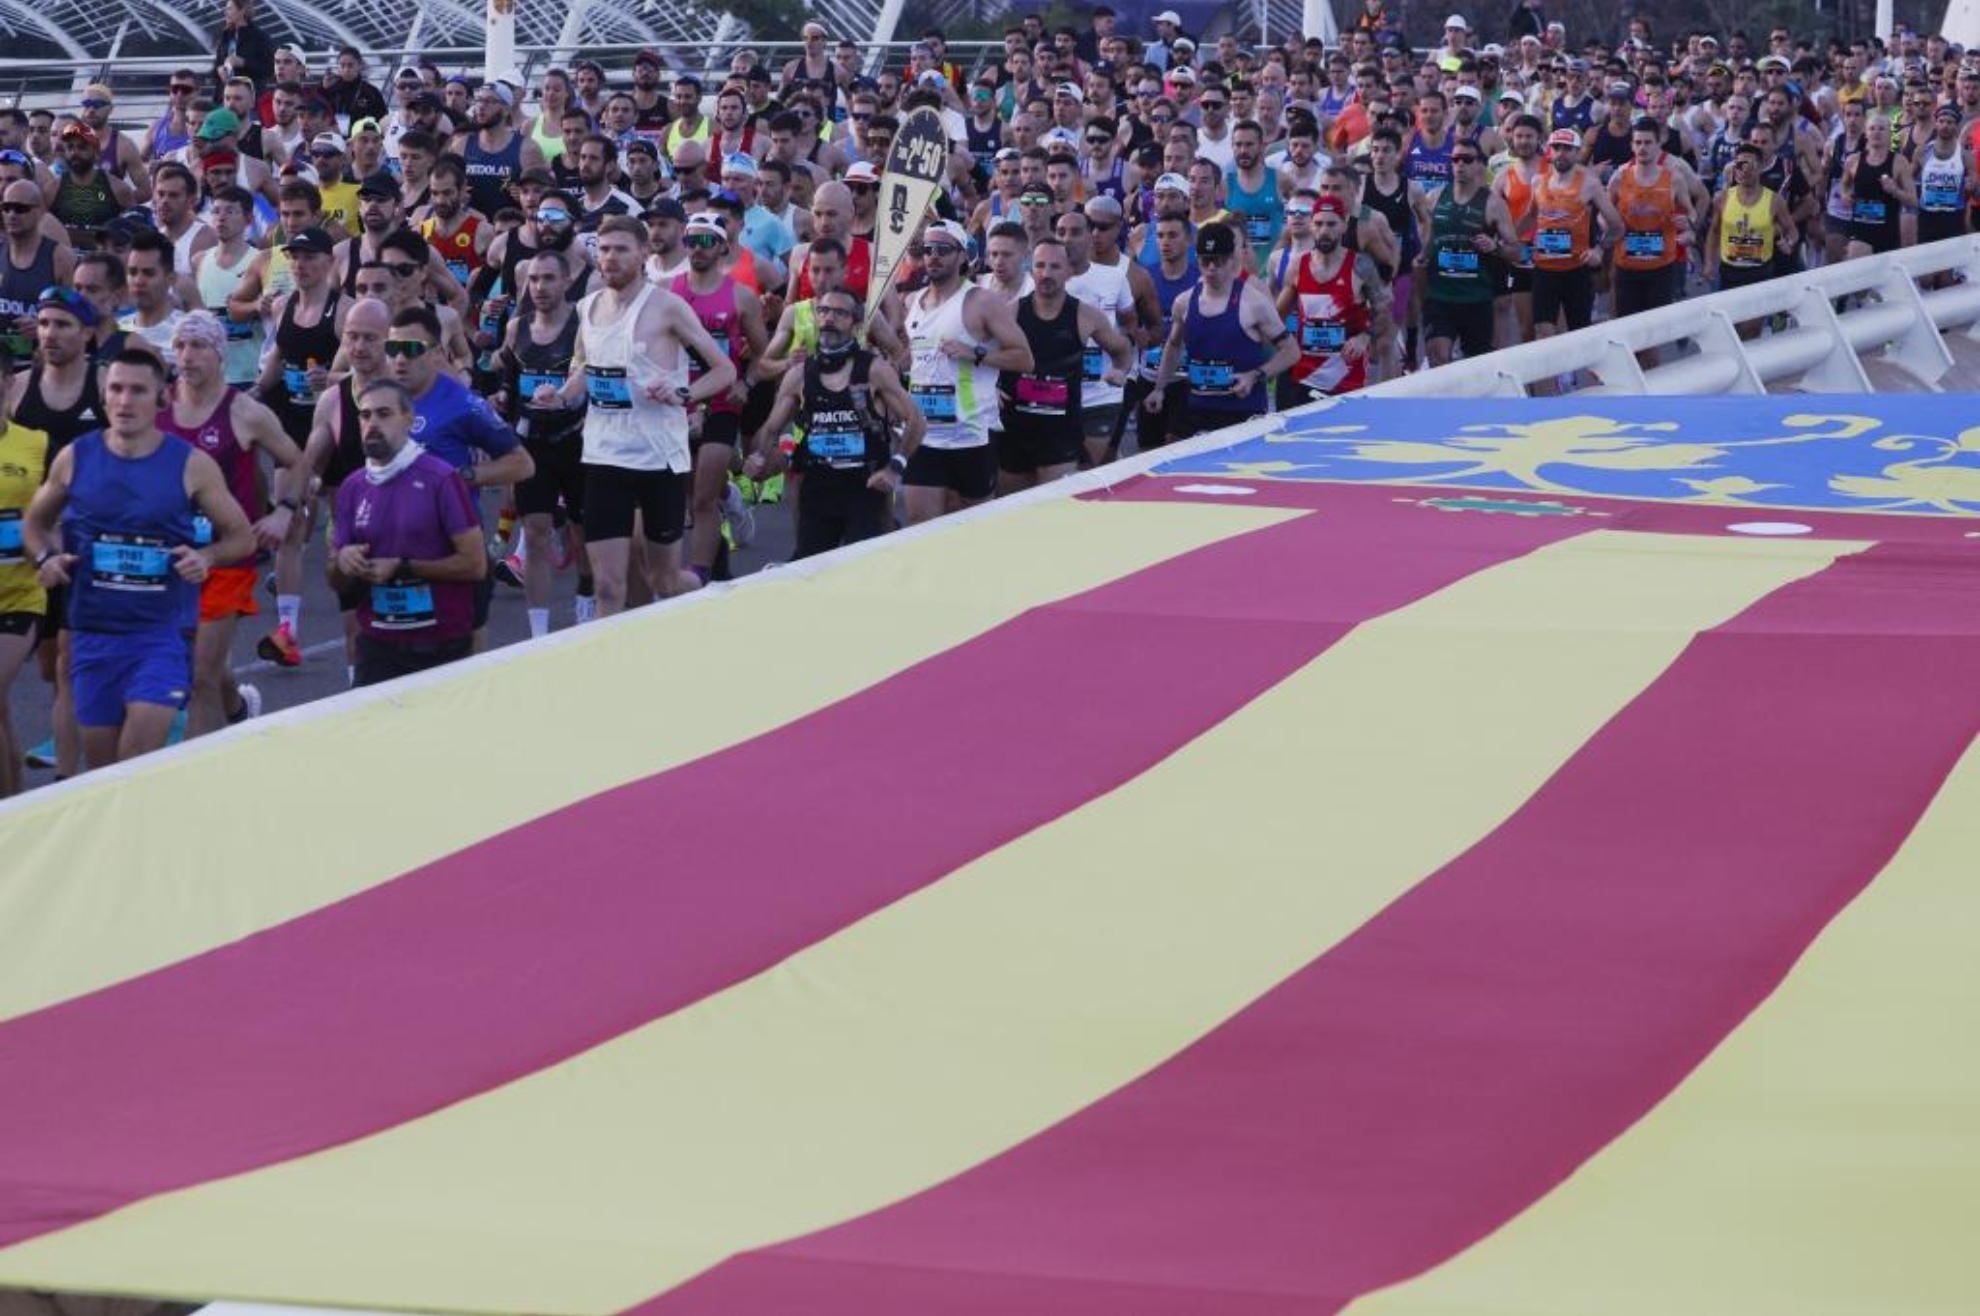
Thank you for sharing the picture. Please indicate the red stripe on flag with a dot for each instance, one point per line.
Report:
(538, 944)
(1463, 1052)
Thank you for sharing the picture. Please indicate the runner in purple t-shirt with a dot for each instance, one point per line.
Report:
(408, 537)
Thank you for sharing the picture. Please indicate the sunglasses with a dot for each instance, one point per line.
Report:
(1464, 159)
(17, 207)
(1034, 202)
(1098, 141)
(549, 216)
(702, 241)
(1212, 105)
(834, 312)
(857, 117)
(404, 270)
(325, 153)
(1103, 225)
(95, 103)
(68, 297)
(181, 89)
(409, 348)
(940, 250)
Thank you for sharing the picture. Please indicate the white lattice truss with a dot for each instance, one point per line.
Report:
(91, 30)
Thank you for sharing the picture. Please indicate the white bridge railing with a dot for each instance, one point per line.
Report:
(1822, 350)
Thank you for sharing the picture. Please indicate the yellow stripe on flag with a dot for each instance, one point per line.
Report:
(201, 849)
(967, 1018)
(1824, 1161)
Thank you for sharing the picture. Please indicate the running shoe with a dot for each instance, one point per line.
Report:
(584, 608)
(268, 583)
(177, 732)
(42, 755)
(279, 647)
(737, 516)
(250, 704)
(509, 570)
(771, 490)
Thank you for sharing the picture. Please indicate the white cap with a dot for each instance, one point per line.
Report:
(948, 228)
(1457, 21)
(1168, 16)
(862, 172)
(329, 142)
(1467, 93)
(1069, 89)
(707, 221)
(1172, 183)
(1182, 74)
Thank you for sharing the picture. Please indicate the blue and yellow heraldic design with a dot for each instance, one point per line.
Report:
(1915, 454)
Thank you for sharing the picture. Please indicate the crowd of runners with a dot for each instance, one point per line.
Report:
(475, 335)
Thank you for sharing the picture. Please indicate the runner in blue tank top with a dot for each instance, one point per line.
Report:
(1427, 161)
(1174, 272)
(1227, 336)
(131, 522)
(1252, 191)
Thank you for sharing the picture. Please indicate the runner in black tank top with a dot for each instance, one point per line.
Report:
(1610, 150)
(1393, 207)
(61, 427)
(297, 347)
(843, 444)
(1041, 406)
(347, 456)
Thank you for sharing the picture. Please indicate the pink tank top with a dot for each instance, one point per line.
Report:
(717, 313)
(215, 437)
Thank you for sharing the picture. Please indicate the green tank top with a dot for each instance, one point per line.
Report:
(1458, 270)
(85, 205)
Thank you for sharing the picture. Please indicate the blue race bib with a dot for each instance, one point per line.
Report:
(11, 548)
(937, 402)
(131, 563)
(296, 380)
(1092, 364)
(1322, 337)
(607, 389)
(1554, 242)
(837, 446)
(1212, 376)
(1643, 246)
(402, 607)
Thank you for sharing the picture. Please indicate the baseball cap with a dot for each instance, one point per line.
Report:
(1215, 239)
(311, 241)
(425, 100)
(1467, 93)
(1947, 111)
(1182, 74)
(1168, 16)
(740, 163)
(1104, 207)
(1172, 183)
(949, 229)
(811, 27)
(647, 56)
(364, 126)
(642, 146)
(301, 56)
(1456, 21)
(1564, 137)
(1069, 89)
(862, 172)
(1774, 62)
(1621, 89)
(218, 123)
(329, 142)
(380, 184)
(667, 208)
(406, 73)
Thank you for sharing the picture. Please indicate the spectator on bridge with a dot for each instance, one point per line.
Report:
(350, 97)
(244, 50)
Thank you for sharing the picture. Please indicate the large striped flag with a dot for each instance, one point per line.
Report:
(1421, 859)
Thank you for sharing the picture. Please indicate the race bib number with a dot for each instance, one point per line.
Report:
(296, 380)
(937, 402)
(402, 607)
(1526, 253)
(239, 331)
(1869, 212)
(459, 269)
(1643, 246)
(1940, 198)
(131, 563)
(1092, 364)
(11, 548)
(696, 366)
(1151, 360)
(1212, 376)
(607, 388)
(1554, 242)
(1452, 260)
(1258, 228)
(837, 446)
(1042, 395)
(1328, 338)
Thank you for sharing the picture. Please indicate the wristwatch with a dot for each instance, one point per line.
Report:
(981, 352)
(899, 462)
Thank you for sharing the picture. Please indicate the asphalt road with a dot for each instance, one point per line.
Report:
(323, 669)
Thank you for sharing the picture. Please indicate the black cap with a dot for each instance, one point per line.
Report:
(1216, 239)
(381, 184)
(425, 100)
(644, 146)
(311, 241)
(667, 208)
